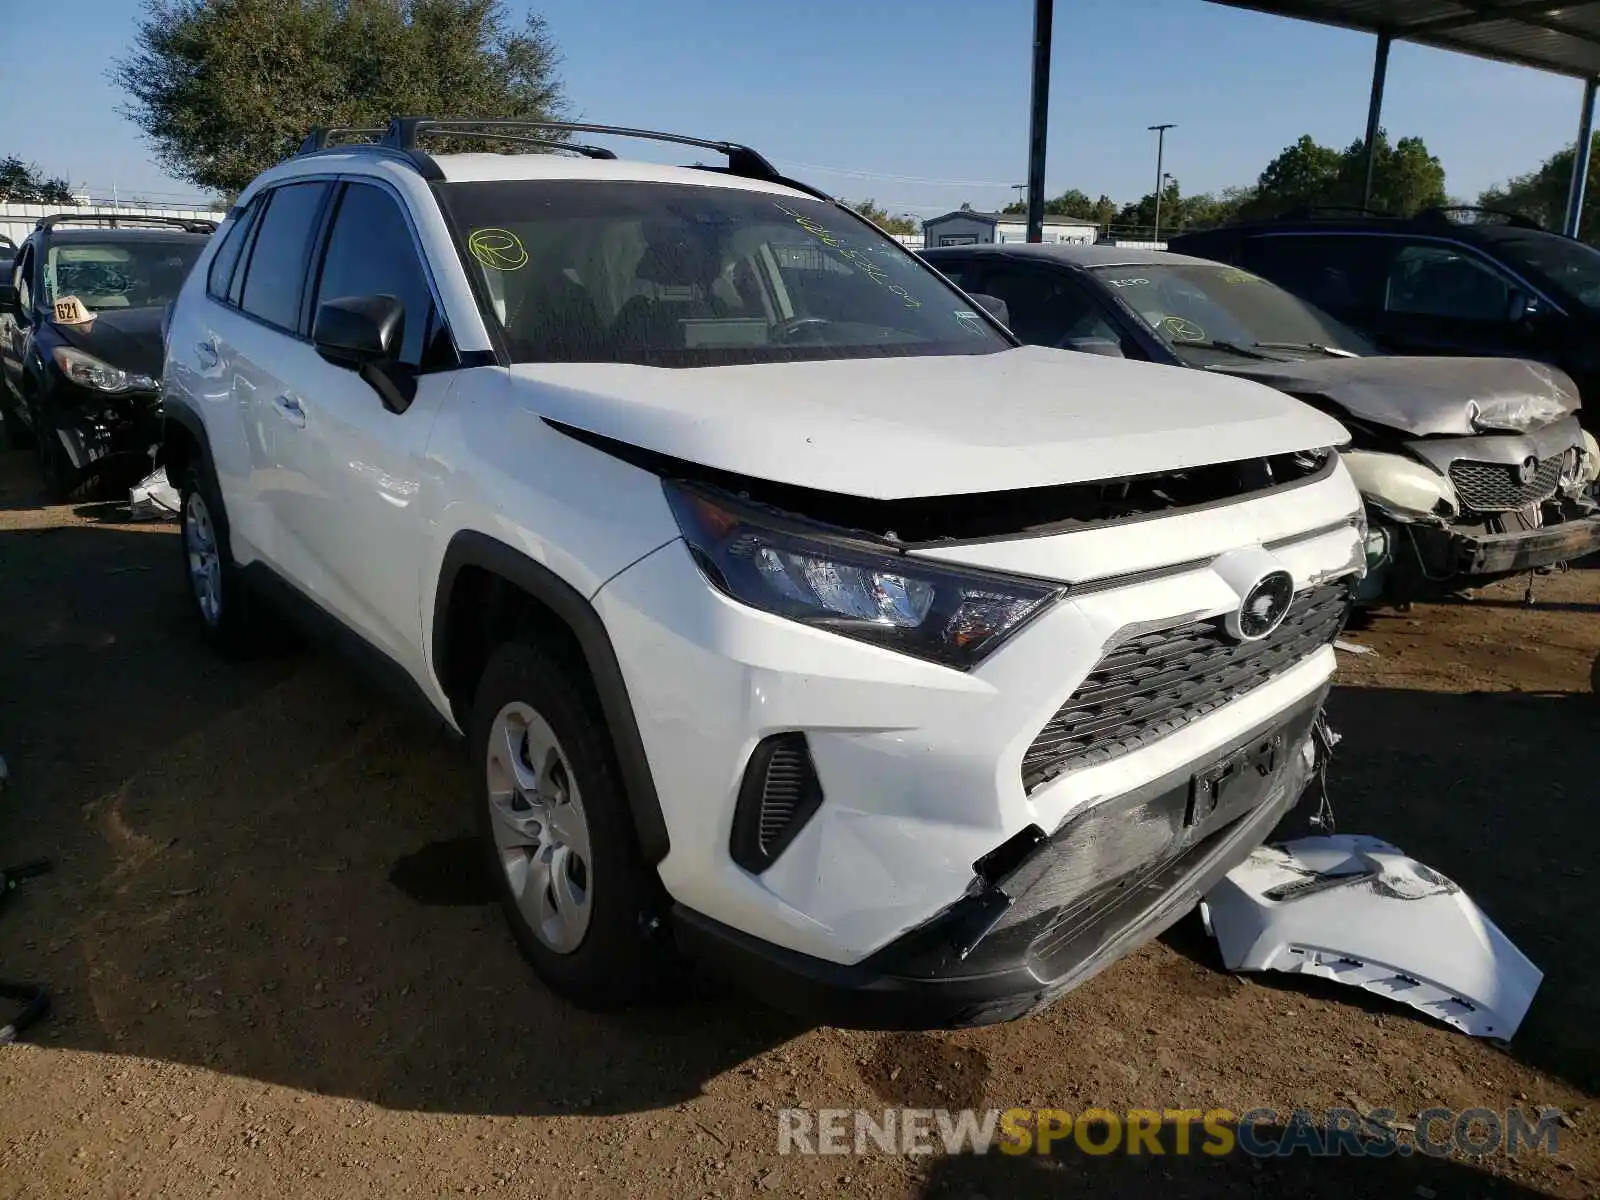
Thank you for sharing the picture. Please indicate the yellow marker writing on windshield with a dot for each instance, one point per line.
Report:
(497, 249)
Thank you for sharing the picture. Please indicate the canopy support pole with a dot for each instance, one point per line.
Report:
(1380, 72)
(1043, 13)
(1580, 163)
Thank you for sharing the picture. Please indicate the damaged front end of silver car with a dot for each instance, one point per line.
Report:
(1473, 470)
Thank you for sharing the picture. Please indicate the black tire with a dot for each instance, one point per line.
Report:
(54, 468)
(18, 435)
(625, 953)
(235, 627)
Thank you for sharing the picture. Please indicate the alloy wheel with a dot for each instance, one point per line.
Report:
(540, 830)
(205, 564)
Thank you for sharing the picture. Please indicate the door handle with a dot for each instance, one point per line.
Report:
(206, 352)
(289, 408)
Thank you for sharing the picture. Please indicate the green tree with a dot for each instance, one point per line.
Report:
(1542, 194)
(1405, 177)
(225, 88)
(24, 183)
(1302, 174)
(1072, 203)
(873, 212)
(1206, 211)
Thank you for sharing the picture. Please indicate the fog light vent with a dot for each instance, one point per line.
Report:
(779, 794)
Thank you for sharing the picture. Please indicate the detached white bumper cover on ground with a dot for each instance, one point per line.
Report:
(153, 497)
(1355, 909)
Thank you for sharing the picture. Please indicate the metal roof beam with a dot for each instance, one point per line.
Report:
(1483, 13)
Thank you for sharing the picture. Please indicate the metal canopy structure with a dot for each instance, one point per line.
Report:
(1561, 38)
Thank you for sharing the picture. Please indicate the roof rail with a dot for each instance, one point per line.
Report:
(1443, 213)
(403, 133)
(120, 220)
(322, 137)
(1314, 212)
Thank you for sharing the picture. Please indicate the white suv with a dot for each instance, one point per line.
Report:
(800, 622)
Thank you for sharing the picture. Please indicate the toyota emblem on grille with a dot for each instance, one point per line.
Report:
(1528, 468)
(1263, 608)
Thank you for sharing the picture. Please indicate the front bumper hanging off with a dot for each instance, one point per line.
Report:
(1526, 550)
(1045, 913)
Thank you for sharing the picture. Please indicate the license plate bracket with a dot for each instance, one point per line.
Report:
(1236, 783)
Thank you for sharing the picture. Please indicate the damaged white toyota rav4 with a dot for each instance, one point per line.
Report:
(801, 623)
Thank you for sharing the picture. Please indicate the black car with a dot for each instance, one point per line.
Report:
(1472, 469)
(1448, 281)
(81, 312)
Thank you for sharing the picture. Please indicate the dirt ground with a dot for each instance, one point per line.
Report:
(276, 974)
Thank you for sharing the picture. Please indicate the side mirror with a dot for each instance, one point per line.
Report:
(1522, 307)
(357, 331)
(994, 306)
(1095, 345)
(10, 301)
(365, 332)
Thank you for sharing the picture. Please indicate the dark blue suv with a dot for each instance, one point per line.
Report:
(1448, 281)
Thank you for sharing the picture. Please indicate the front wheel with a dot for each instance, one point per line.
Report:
(18, 435)
(585, 909)
(216, 591)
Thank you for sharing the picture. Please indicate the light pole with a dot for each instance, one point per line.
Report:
(1161, 141)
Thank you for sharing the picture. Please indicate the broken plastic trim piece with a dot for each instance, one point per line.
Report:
(153, 498)
(1356, 910)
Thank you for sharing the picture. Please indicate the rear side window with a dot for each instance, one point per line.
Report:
(371, 253)
(274, 282)
(1335, 273)
(1434, 280)
(227, 256)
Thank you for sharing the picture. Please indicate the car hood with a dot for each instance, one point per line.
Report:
(129, 338)
(1427, 396)
(896, 428)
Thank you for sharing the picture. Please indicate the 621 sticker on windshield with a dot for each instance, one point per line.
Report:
(856, 258)
(69, 310)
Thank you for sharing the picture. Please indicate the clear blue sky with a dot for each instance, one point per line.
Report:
(848, 95)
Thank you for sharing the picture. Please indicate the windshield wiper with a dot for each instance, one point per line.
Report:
(1330, 351)
(1228, 348)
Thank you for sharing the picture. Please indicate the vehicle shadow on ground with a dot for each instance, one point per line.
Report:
(1496, 791)
(263, 869)
(1068, 1171)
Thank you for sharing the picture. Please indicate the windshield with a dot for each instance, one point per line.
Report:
(1196, 307)
(1565, 266)
(684, 276)
(134, 274)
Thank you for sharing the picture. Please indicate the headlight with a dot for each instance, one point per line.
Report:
(1589, 468)
(1402, 485)
(853, 587)
(88, 371)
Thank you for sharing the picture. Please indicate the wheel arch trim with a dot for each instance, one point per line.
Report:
(469, 548)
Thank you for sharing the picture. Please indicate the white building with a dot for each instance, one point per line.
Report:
(967, 228)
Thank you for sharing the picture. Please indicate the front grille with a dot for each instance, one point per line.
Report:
(1496, 487)
(1155, 683)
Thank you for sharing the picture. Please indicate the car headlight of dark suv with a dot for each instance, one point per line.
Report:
(86, 370)
(853, 587)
